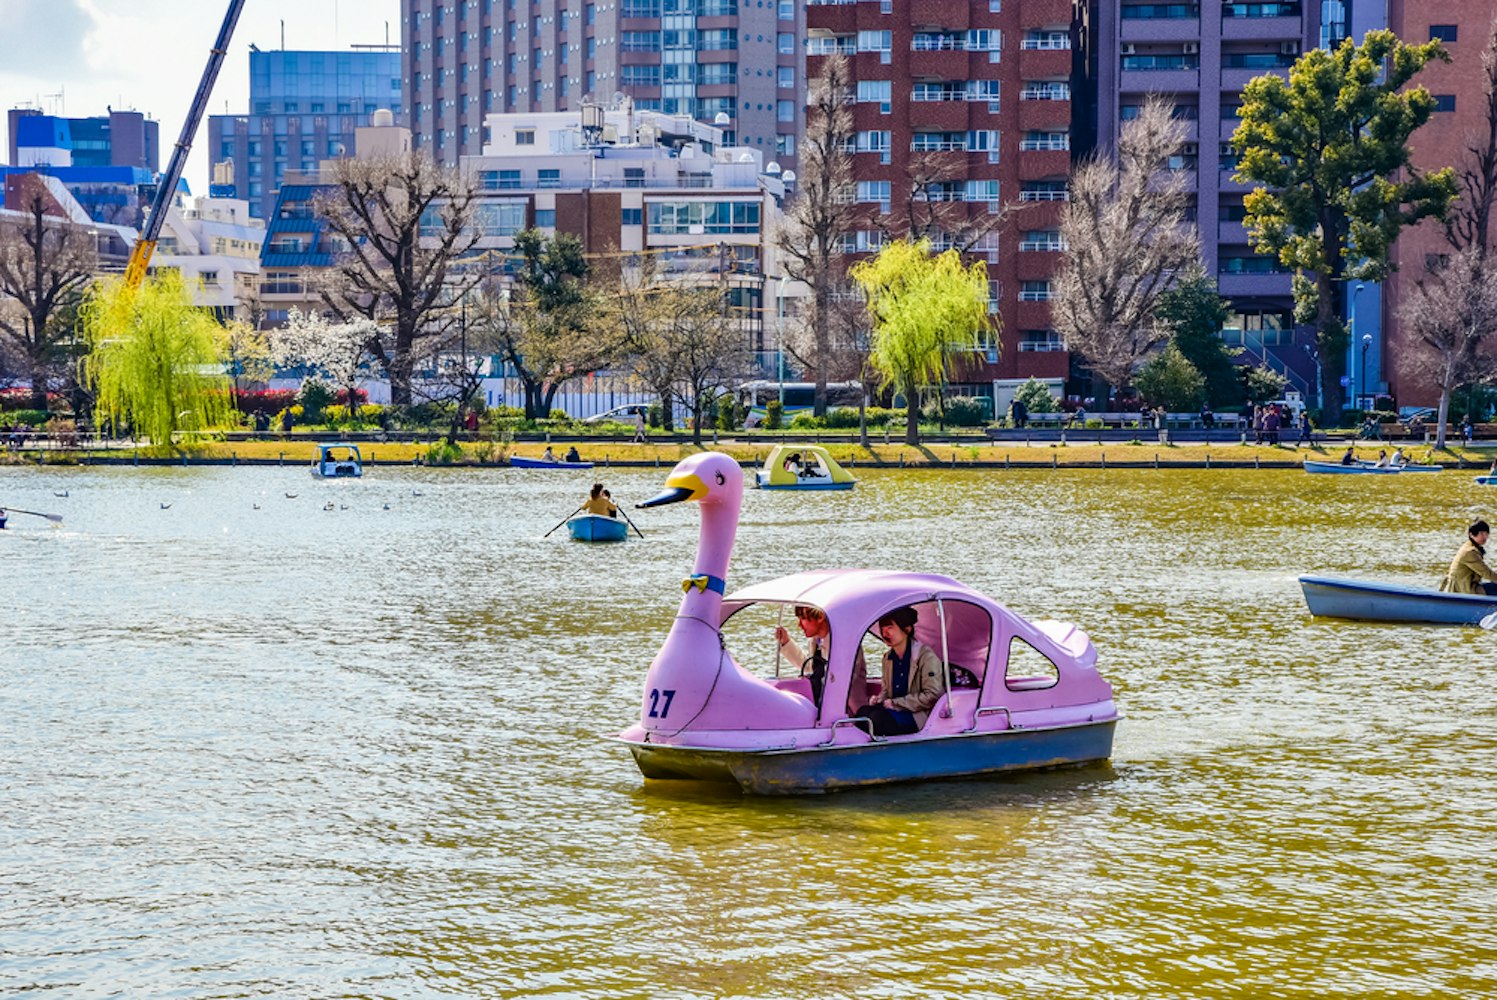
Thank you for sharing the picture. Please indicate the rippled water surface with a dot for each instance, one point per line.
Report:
(298, 752)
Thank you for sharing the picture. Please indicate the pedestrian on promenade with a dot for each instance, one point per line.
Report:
(1304, 427)
(1467, 431)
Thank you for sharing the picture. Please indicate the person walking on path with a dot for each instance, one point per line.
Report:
(1304, 428)
(639, 428)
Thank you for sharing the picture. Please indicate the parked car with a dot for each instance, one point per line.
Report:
(620, 414)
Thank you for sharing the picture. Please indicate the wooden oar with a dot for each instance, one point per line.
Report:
(565, 520)
(641, 534)
(1490, 621)
(55, 518)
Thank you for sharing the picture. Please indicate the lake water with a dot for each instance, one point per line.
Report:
(252, 747)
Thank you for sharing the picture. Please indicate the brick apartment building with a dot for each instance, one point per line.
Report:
(1459, 121)
(967, 106)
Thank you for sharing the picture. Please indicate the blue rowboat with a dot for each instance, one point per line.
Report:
(597, 528)
(520, 462)
(1328, 597)
(1486, 480)
(1337, 469)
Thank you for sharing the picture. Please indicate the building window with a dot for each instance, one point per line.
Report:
(1444, 102)
(1443, 32)
(545, 218)
(525, 137)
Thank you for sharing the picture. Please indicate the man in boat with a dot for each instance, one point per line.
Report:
(818, 630)
(1399, 459)
(548, 455)
(599, 502)
(1349, 458)
(572, 454)
(1469, 572)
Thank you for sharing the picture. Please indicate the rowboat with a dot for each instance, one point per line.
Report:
(802, 467)
(1337, 469)
(520, 462)
(1486, 480)
(337, 461)
(597, 528)
(1329, 597)
(1015, 695)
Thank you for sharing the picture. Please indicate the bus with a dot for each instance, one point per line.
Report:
(797, 397)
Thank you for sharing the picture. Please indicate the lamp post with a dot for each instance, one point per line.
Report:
(779, 335)
(1314, 353)
(1366, 343)
(1351, 329)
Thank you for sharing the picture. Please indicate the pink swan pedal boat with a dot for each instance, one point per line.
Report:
(1019, 695)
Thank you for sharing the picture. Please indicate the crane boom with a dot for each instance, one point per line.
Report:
(140, 257)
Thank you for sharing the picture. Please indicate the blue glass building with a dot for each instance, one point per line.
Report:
(304, 108)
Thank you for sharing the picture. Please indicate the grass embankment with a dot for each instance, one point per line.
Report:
(944, 455)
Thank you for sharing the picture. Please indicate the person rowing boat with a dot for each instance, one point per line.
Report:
(1469, 572)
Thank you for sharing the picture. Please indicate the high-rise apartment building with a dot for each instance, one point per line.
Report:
(304, 108)
(1200, 55)
(730, 63)
(1459, 121)
(961, 108)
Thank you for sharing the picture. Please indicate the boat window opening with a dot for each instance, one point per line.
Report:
(1028, 669)
(966, 639)
(749, 635)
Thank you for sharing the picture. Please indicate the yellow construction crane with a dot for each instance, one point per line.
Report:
(140, 256)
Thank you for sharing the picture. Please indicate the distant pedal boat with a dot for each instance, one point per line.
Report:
(1363, 600)
(802, 467)
(597, 528)
(337, 461)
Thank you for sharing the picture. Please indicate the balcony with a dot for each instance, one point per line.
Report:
(1041, 64)
(1266, 29)
(1160, 29)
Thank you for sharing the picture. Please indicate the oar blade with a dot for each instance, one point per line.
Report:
(1490, 621)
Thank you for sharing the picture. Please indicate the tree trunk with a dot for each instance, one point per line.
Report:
(912, 417)
(1442, 415)
(696, 421)
(400, 378)
(38, 383)
(863, 419)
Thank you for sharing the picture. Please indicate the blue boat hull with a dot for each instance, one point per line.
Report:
(517, 462)
(597, 528)
(811, 770)
(1328, 597)
(1486, 480)
(812, 486)
(340, 470)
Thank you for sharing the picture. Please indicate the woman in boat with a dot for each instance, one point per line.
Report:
(1469, 572)
(548, 455)
(1382, 459)
(573, 455)
(599, 502)
(818, 630)
(913, 678)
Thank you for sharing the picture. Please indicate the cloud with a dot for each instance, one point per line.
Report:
(44, 38)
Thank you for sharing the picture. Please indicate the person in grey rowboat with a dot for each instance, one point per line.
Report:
(1469, 572)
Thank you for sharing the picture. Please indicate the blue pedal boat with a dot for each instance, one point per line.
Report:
(597, 528)
(337, 461)
(1330, 597)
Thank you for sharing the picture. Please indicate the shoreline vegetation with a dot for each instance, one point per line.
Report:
(932, 455)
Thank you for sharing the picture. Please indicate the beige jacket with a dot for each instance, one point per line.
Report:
(600, 505)
(927, 681)
(1467, 569)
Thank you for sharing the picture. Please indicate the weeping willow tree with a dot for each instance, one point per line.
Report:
(926, 308)
(155, 360)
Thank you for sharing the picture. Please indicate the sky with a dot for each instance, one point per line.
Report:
(148, 56)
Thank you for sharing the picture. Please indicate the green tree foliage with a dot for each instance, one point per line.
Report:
(1195, 314)
(546, 323)
(1171, 380)
(154, 358)
(1036, 397)
(1330, 146)
(1263, 384)
(925, 308)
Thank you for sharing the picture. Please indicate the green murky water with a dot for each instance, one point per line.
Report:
(296, 752)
